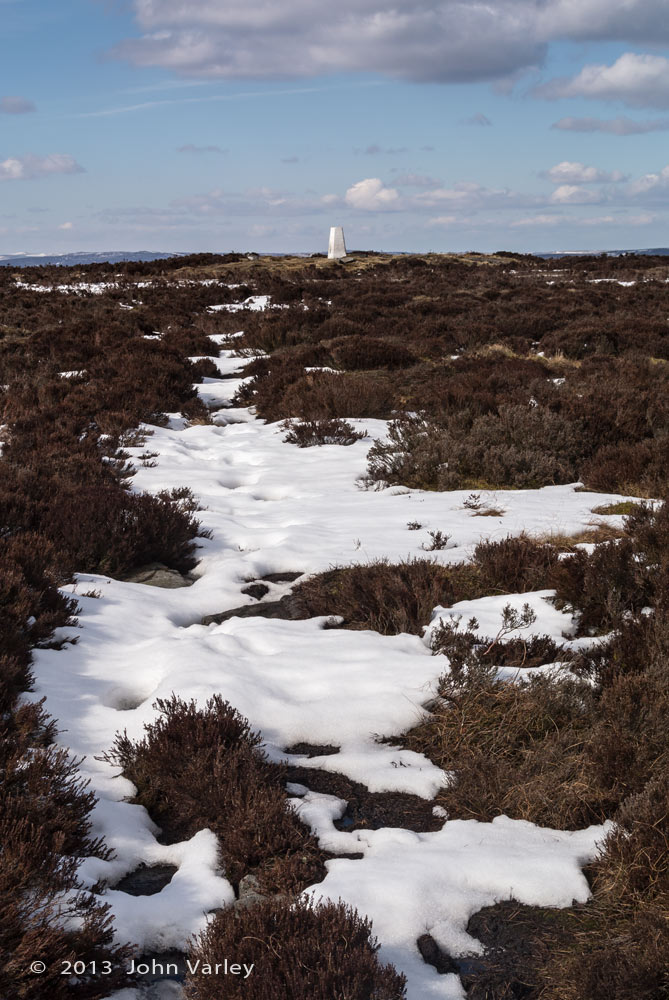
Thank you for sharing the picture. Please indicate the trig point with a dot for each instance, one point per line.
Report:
(336, 246)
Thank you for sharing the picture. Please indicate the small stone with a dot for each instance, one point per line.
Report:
(158, 575)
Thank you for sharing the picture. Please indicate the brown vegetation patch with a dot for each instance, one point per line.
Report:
(299, 951)
(203, 768)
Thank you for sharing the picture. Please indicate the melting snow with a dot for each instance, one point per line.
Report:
(273, 507)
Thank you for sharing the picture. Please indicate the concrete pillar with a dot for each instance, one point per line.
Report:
(336, 246)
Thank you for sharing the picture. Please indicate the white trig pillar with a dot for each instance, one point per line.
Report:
(336, 246)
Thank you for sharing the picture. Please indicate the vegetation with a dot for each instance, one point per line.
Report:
(495, 372)
(198, 769)
(299, 950)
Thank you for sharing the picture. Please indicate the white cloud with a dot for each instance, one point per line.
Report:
(577, 173)
(30, 166)
(444, 220)
(638, 80)
(66, 225)
(370, 195)
(538, 220)
(574, 194)
(16, 106)
(613, 126)
(468, 195)
(651, 183)
(436, 40)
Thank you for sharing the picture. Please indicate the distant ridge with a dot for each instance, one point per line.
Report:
(83, 257)
(118, 256)
(652, 252)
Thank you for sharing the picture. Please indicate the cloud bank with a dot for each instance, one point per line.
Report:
(420, 40)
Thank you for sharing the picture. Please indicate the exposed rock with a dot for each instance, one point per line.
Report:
(249, 892)
(157, 575)
(433, 955)
(285, 608)
(146, 880)
(313, 749)
(283, 577)
(256, 590)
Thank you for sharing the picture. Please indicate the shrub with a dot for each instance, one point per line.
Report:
(387, 597)
(45, 832)
(599, 586)
(299, 951)
(638, 468)
(31, 607)
(203, 768)
(354, 353)
(515, 565)
(306, 434)
(520, 447)
(206, 368)
(467, 652)
(107, 530)
(516, 749)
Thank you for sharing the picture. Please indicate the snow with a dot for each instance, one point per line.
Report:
(616, 281)
(254, 302)
(416, 883)
(274, 507)
(94, 287)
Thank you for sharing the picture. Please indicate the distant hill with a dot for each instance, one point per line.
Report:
(84, 257)
(117, 256)
(652, 252)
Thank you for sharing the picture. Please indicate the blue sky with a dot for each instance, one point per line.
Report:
(256, 124)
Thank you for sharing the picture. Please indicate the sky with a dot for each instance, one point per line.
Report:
(417, 125)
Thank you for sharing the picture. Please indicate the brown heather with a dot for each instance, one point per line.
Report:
(299, 950)
(508, 381)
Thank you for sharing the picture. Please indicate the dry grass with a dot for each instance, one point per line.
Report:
(599, 531)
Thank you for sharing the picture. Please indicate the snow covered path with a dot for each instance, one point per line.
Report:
(273, 507)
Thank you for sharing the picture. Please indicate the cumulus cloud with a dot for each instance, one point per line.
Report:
(613, 126)
(433, 40)
(16, 106)
(574, 194)
(66, 225)
(370, 195)
(28, 167)
(638, 80)
(190, 148)
(651, 184)
(577, 173)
